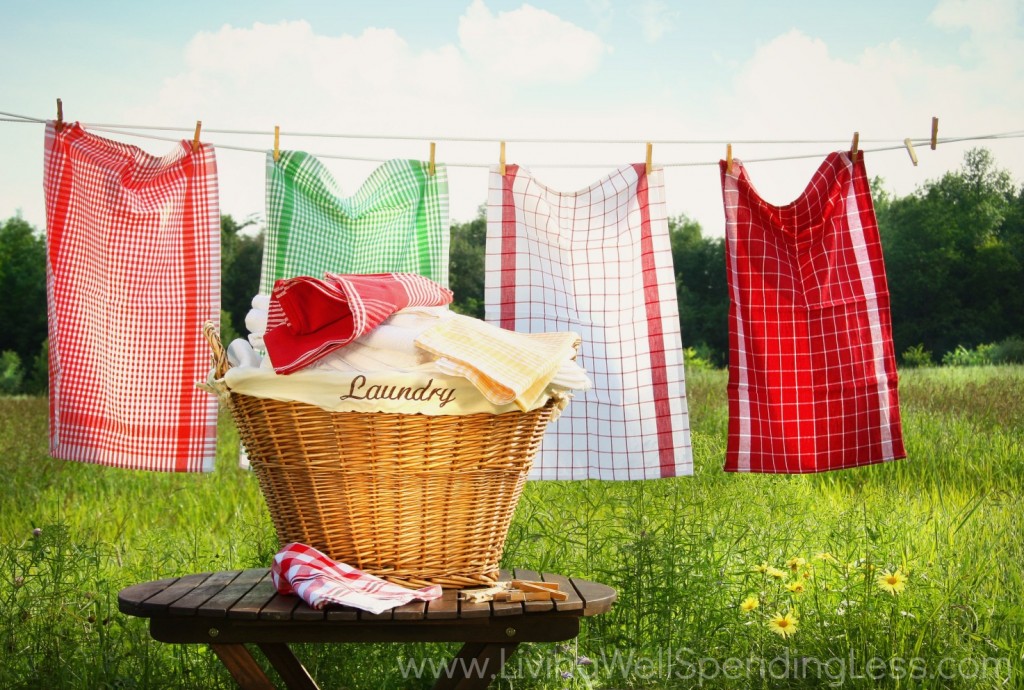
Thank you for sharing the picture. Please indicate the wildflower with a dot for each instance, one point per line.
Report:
(37, 532)
(795, 563)
(825, 556)
(796, 587)
(566, 675)
(583, 660)
(762, 568)
(784, 626)
(749, 604)
(776, 573)
(892, 582)
(19, 581)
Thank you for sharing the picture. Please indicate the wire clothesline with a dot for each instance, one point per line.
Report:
(126, 130)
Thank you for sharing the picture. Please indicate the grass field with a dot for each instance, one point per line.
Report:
(684, 554)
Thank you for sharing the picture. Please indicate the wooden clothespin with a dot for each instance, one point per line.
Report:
(649, 151)
(501, 160)
(277, 143)
(430, 169)
(935, 132)
(59, 124)
(728, 159)
(910, 149)
(195, 138)
(853, 148)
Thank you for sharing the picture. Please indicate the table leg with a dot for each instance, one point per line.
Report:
(475, 666)
(242, 666)
(291, 670)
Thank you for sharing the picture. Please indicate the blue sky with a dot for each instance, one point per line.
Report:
(503, 69)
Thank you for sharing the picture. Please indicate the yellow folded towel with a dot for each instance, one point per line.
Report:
(504, 365)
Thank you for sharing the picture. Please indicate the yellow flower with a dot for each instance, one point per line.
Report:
(776, 573)
(825, 556)
(892, 582)
(761, 568)
(807, 574)
(795, 563)
(784, 625)
(749, 604)
(796, 587)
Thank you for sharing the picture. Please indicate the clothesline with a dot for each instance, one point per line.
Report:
(125, 130)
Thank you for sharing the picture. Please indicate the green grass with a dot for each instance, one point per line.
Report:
(682, 554)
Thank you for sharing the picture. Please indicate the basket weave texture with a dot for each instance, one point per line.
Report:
(415, 499)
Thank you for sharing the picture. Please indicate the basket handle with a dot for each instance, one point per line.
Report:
(220, 358)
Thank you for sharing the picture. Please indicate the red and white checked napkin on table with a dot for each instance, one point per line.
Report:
(310, 318)
(302, 570)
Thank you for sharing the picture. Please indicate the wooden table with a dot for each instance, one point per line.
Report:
(229, 609)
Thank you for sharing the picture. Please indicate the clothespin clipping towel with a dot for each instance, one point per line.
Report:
(515, 590)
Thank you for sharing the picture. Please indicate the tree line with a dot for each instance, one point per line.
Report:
(954, 253)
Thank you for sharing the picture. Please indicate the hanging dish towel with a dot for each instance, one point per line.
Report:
(597, 263)
(396, 222)
(133, 272)
(310, 318)
(812, 376)
(318, 580)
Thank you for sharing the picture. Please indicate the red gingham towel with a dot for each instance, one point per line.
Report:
(812, 376)
(133, 271)
(318, 581)
(598, 263)
(310, 318)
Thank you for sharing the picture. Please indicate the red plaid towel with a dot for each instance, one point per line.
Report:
(318, 580)
(598, 263)
(812, 376)
(133, 272)
(310, 318)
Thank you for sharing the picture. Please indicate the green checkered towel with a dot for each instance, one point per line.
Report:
(396, 223)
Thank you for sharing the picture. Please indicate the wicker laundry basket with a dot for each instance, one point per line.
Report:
(415, 499)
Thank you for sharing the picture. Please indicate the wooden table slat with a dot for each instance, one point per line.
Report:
(129, 598)
(250, 605)
(413, 611)
(159, 602)
(218, 605)
(341, 613)
(187, 605)
(447, 606)
(279, 608)
(533, 606)
(574, 602)
(597, 598)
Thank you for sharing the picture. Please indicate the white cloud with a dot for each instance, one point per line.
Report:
(656, 19)
(528, 44)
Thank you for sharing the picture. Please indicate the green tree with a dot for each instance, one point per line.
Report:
(952, 258)
(466, 265)
(701, 288)
(23, 286)
(241, 261)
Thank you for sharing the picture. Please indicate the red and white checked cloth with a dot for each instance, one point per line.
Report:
(133, 272)
(812, 376)
(596, 262)
(302, 570)
(310, 318)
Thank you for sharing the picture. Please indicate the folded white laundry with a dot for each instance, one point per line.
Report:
(261, 302)
(241, 354)
(256, 321)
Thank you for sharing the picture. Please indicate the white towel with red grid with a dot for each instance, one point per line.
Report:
(133, 272)
(319, 580)
(598, 263)
(812, 373)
